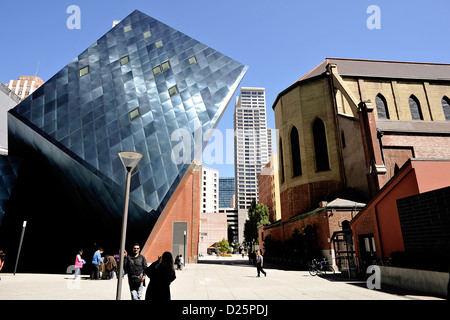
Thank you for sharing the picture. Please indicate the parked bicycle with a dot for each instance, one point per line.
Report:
(318, 267)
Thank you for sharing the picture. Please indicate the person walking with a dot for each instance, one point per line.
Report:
(134, 266)
(161, 274)
(79, 262)
(96, 261)
(177, 261)
(259, 264)
(181, 262)
(110, 266)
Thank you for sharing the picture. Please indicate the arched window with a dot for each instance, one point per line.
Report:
(382, 109)
(295, 150)
(281, 161)
(320, 146)
(414, 106)
(446, 108)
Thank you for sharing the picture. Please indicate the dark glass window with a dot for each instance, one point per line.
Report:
(320, 146)
(446, 108)
(295, 150)
(343, 140)
(382, 109)
(414, 106)
(281, 161)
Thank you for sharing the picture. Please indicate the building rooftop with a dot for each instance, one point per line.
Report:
(377, 69)
(430, 127)
(344, 203)
(384, 69)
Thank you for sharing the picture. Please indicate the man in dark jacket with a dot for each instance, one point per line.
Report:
(134, 266)
(259, 264)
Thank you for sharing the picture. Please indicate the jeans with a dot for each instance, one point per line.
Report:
(137, 294)
(95, 273)
(77, 272)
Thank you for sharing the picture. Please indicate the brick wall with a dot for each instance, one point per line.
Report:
(265, 192)
(183, 206)
(304, 197)
(325, 226)
(366, 225)
(425, 221)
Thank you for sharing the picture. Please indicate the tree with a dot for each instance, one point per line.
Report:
(223, 245)
(258, 215)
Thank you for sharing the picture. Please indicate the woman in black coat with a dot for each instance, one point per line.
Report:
(161, 274)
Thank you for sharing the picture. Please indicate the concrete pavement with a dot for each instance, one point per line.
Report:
(212, 278)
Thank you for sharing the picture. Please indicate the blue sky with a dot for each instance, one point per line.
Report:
(280, 41)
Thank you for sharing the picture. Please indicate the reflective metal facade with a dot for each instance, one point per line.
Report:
(8, 174)
(132, 90)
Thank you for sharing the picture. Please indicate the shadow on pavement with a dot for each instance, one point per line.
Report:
(343, 277)
(224, 261)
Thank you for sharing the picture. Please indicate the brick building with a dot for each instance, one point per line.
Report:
(409, 214)
(178, 228)
(323, 221)
(269, 190)
(348, 126)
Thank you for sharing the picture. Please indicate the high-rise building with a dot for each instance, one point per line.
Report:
(210, 190)
(252, 148)
(227, 204)
(226, 192)
(25, 86)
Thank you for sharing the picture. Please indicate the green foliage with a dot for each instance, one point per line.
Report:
(223, 245)
(258, 215)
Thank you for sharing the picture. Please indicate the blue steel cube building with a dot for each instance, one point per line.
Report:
(135, 89)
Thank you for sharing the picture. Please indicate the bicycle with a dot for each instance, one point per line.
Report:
(317, 267)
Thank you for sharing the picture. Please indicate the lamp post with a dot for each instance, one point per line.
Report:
(184, 248)
(20, 246)
(129, 160)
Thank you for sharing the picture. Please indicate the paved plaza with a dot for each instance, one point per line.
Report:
(224, 278)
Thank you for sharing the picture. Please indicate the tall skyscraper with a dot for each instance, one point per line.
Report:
(227, 203)
(252, 148)
(226, 192)
(210, 190)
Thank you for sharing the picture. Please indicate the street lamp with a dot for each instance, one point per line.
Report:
(20, 246)
(129, 160)
(184, 248)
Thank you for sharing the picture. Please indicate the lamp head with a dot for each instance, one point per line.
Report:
(130, 159)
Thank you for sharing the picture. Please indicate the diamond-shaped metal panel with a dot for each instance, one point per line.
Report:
(8, 174)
